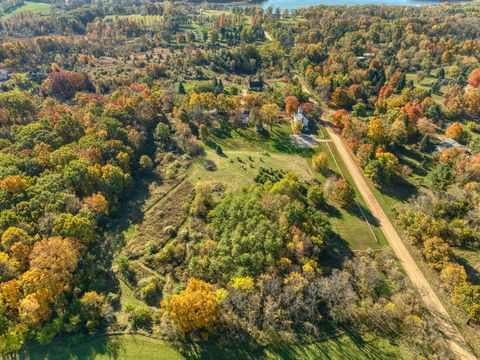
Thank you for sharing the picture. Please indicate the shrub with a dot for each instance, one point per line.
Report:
(170, 231)
(149, 289)
(315, 197)
(436, 252)
(140, 317)
(320, 162)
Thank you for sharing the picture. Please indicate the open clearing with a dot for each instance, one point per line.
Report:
(36, 7)
(137, 347)
(245, 151)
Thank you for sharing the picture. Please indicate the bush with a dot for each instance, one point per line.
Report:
(315, 197)
(170, 231)
(320, 162)
(210, 165)
(436, 252)
(341, 192)
(359, 109)
(149, 289)
(140, 317)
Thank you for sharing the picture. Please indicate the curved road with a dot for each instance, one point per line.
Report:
(429, 298)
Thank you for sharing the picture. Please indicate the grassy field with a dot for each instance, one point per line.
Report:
(244, 165)
(216, 12)
(426, 84)
(245, 151)
(351, 224)
(136, 347)
(146, 18)
(36, 7)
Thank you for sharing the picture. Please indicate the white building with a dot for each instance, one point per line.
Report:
(300, 117)
(4, 75)
(450, 143)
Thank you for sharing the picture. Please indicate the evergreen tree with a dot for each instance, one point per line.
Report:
(181, 88)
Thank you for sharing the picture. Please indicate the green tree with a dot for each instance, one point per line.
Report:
(441, 177)
(320, 162)
(77, 226)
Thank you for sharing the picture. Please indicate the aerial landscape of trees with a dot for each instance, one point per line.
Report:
(164, 170)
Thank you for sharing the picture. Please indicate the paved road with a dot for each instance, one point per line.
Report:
(430, 299)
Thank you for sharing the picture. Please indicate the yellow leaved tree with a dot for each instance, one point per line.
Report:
(193, 309)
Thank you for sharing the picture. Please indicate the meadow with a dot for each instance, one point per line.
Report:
(136, 347)
(35, 7)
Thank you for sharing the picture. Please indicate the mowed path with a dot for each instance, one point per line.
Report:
(429, 298)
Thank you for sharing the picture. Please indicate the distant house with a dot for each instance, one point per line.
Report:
(300, 117)
(365, 56)
(4, 75)
(244, 117)
(255, 85)
(37, 76)
(449, 143)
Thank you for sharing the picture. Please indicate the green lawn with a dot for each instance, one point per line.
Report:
(216, 12)
(426, 84)
(351, 224)
(36, 7)
(238, 167)
(146, 18)
(136, 347)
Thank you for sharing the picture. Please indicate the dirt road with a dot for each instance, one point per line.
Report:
(430, 299)
(451, 334)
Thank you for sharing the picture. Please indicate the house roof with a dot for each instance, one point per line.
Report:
(255, 83)
(449, 142)
(299, 116)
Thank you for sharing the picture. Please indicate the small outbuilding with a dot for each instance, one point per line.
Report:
(449, 143)
(255, 85)
(4, 75)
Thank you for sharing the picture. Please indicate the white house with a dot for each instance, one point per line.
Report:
(4, 75)
(300, 117)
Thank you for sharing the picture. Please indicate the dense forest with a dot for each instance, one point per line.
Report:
(164, 170)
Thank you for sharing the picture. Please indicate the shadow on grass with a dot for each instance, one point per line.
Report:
(335, 252)
(363, 213)
(332, 211)
(472, 273)
(401, 190)
(223, 132)
(79, 347)
(281, 142)
(353, 347)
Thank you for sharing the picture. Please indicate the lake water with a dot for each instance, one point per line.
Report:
(295, 4)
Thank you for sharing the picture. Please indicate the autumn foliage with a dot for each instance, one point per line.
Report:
(193, 309)
(64, 84)
(291, 104)
(474, 78)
